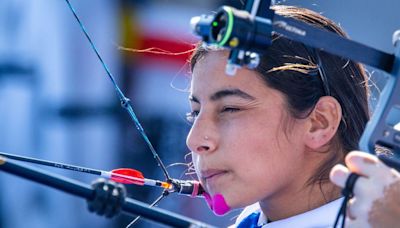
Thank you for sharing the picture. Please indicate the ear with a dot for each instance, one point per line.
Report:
(323, 122)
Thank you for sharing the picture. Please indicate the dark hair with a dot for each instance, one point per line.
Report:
(291, 68)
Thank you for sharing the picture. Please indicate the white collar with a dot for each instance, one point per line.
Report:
(323, 216)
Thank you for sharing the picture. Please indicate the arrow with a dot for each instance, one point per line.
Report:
(83, 190)
(121, 175)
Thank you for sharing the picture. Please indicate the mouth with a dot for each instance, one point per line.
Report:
(210, 176)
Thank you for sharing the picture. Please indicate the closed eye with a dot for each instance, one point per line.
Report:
(191, 116)
(230, 109)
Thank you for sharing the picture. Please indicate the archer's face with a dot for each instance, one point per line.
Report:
(241, 142)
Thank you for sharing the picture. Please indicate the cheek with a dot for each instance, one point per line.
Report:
(262, 154)
(254, 147)
(255, 132)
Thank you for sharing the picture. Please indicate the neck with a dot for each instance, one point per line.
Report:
(287, 204)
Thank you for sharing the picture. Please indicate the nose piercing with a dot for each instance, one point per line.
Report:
(206, 137)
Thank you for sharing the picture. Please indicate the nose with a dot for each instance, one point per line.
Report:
(202, 137)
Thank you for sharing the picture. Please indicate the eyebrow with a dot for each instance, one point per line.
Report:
(225, 93)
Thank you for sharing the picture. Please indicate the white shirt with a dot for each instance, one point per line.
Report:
(320, 217)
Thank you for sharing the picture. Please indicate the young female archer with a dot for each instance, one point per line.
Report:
(267, 138)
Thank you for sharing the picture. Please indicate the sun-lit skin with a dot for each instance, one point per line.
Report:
(245, 144)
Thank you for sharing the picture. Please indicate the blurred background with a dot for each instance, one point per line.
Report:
(56, 102)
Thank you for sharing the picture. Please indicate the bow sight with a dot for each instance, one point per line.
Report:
(246, 34)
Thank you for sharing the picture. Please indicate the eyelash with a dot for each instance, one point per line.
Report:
(191, 116)
(230, 109)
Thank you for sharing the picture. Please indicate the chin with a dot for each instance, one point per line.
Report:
(235, 201)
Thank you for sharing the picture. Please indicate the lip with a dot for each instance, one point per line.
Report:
(210, 175)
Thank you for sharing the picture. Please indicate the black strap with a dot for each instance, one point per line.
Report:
(347, 192)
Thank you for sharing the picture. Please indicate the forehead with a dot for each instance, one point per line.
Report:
(209, 76)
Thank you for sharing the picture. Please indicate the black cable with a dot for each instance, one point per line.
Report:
(347, 192)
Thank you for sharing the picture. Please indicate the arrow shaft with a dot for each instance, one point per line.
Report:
(106, 174)
(53, 164)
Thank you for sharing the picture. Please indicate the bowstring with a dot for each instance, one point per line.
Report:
(154, 204)
(125, 102)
